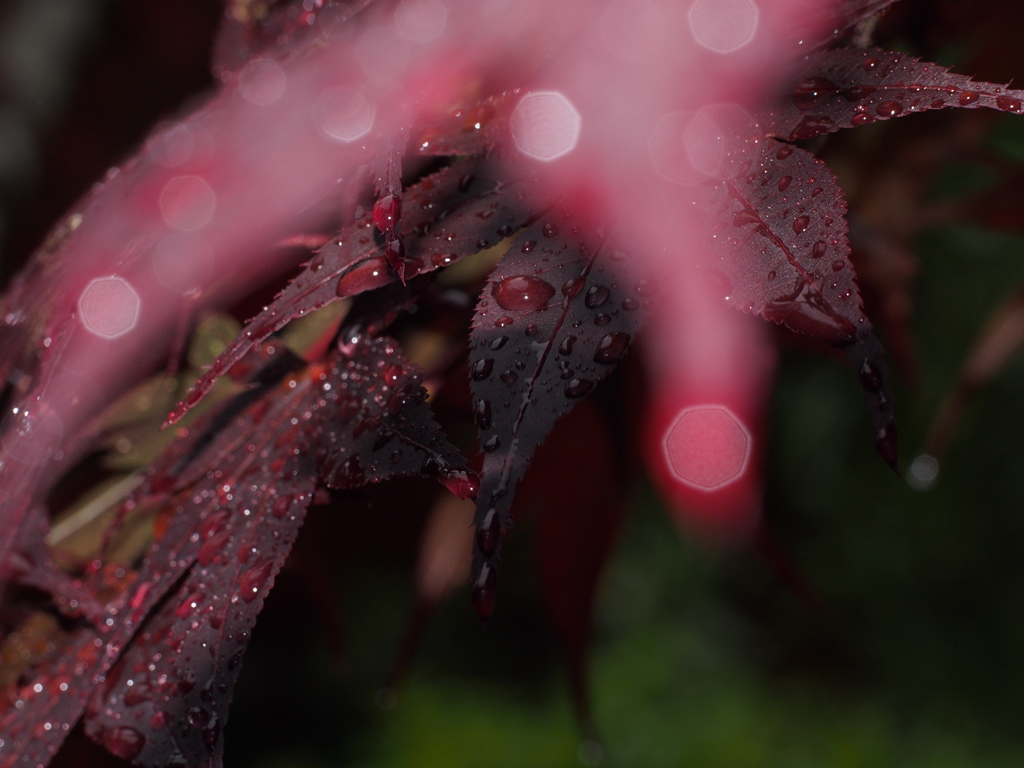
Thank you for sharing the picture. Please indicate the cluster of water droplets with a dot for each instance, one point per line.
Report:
(876, 85)
(557, 315)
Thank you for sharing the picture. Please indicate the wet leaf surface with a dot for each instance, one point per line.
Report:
(556, 316)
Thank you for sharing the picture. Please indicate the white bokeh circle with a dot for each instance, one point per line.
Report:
(187, 203)
(421, 21)
(343, 114)
(724, 26)
(262, 82)
(545, 125)
(707, 447)
(109, 307)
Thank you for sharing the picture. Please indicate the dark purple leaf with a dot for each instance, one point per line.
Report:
(847, 88)
(360, 417)
(387, 210)
(30, 563)
(784, 255)
(176, 680)
(469, 131)
(280, 29)
(556, 316)
(867, 358)
(448, 215)
(48, 705)
(377, 423)
(783, 247)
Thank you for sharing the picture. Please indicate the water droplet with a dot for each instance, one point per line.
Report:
(485, 588)
(601, 319)
(549, 230)
(523, 292)
(838, 265)
(885, 444)
(596, 296)
(968, 97)
(212, 547)
(372, 273)
(492, 444)
(870, 63)
(531, 329)
(394, 252)
(819, 249)
(889, 109)
(812, 92)
(386, 212)
(192, 602)
(509, 376)
(611, 348)
(870, 377)
(862, 118)
(498, 343)
(488, 533)
(857, 92)
(811, 126)
(745, 216)
(784, 152)
(443, 259)
(463, 484)
(565, 347)
(805, 310)
(124, 742)
(578, 387)
(528, 246)
(137, 694)
(198, 717)
(572, 287)
(398, 401)
(466, 182)
(210, 736)
(255, 579)
(784, 182)
(629, 304)
(482, 414)
(481, 369)
(503, 322)
(800, 224)
(1008, 104)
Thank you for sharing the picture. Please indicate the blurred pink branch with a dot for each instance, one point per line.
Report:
(185, 225)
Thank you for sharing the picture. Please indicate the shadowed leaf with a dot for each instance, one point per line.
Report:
(556, 316)
(448, 215)
(847, 88)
